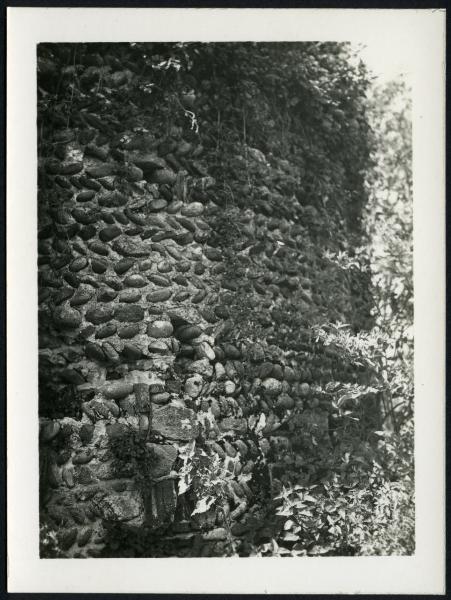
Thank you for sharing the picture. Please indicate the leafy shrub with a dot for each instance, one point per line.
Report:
(133, 457)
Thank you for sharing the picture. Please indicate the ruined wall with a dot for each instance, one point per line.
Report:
(187, 197)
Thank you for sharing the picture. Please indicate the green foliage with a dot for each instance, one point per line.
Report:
(389, 219)
(204, 476)
(133, 457)
(48, 543)
(358, 511)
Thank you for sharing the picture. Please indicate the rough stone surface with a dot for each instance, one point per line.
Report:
(175, 423)
(121, 507)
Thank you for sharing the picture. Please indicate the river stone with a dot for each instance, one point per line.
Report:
(94, 351)
(71, 279)
(148, 162)
(160, 397)
(62, 295)
(83, 294)
(199, 296)
(158, 347)
(138, 218)
(163, 176)
(213, 254)
(146, 265)
(131, 352)
(157, 204)
(112, 407)
(85, 216)
(290, 375)
(82, 458)
(173, 252)
(99, 314)
(215, 535)
(132, 295)
(120, 507)
(175, 422)
(131, 313)
(126, 246)
(136, 281)
(68, 477)
(159, 280)
(271, 386)
(72, 376)
(117, 389)
(128, 331)
(229, 387)
(277, 372)
(99, 171)
(66, 317)
(96, 152)
(78, 264)
(199, 268)
(193, 385)
(304, 389)
(123, 265)
(98, 266)
(99, 248)
(86, 195)
(50, 430)
(194, 209)
(159, 295)
(109, 233)
(231, 351)
(202, 367)
(106, 295)
(110, 352)
(222, 311)
(181, 296)
(114, 283)
(106, 331)
(156, 388)
(164, 266)
(87, 232)
(86, 332)
(164, 458)
(180, 279)
(187, 333)
(183, 266)
(160, 329)
(285, 402)
(183, 239)
(265, 370)
(113, 200)
(59, 261)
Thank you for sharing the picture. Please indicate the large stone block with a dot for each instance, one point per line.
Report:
(160, 503)
(164, 458)
(174, 422)
(121, 507)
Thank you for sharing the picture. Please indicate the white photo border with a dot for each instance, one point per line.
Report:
(422, 34)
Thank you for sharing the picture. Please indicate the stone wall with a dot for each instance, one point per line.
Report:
(181, 269)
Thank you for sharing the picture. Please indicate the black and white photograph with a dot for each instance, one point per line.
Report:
(225, 300)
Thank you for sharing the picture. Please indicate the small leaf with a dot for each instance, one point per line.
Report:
(203, 505)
